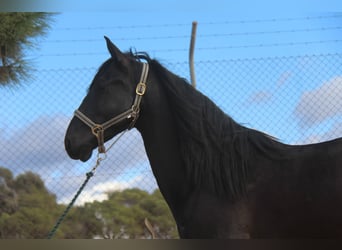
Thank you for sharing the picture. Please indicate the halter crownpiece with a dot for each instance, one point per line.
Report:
(132, 113)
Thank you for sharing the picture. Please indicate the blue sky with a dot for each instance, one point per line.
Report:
(222, 33)
(227, 30)
(76, 38)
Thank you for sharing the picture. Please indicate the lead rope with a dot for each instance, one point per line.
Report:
(88, 176)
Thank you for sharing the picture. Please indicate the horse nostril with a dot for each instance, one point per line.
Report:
(67, 144)
(69, 148)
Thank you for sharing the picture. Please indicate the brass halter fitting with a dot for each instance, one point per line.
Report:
(98, 131)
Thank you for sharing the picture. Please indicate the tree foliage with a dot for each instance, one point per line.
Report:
(18, 31)
(27, 205)
(28, 210)
(124, 212)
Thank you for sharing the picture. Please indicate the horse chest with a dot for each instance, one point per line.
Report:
(208, 217)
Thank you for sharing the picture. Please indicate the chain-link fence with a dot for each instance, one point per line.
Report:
(296, 99)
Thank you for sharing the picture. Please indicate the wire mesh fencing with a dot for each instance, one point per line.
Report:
(295, 99)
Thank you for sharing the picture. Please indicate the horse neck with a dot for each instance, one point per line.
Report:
(161, 144)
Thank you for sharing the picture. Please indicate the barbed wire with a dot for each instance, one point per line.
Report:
(206, 61)
(322, 29)
(263, 45)
(150, 26)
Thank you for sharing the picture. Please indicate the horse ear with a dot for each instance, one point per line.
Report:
(116, 54)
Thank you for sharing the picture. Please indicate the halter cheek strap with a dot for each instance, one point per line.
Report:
(132, 113)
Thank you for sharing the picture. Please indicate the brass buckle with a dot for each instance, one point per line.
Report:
(141, 88)
(97, 129)
(98, 132)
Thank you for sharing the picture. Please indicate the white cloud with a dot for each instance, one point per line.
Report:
(259, 97)
(320, 104)
(98, 192)
(283, 78)
(334, 132)
(265, 96)
(36, 146)
(39, 147)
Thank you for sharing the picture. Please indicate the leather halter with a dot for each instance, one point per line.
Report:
(131, 113)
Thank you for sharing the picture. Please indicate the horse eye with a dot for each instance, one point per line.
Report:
(107, 83)
(120, 83)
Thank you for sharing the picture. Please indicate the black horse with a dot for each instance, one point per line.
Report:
(219, 178)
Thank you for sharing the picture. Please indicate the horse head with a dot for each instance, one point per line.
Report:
(111, 105)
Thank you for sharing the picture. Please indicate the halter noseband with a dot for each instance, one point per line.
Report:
(132, 113)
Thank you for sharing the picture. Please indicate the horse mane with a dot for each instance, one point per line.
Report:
(214, 148)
